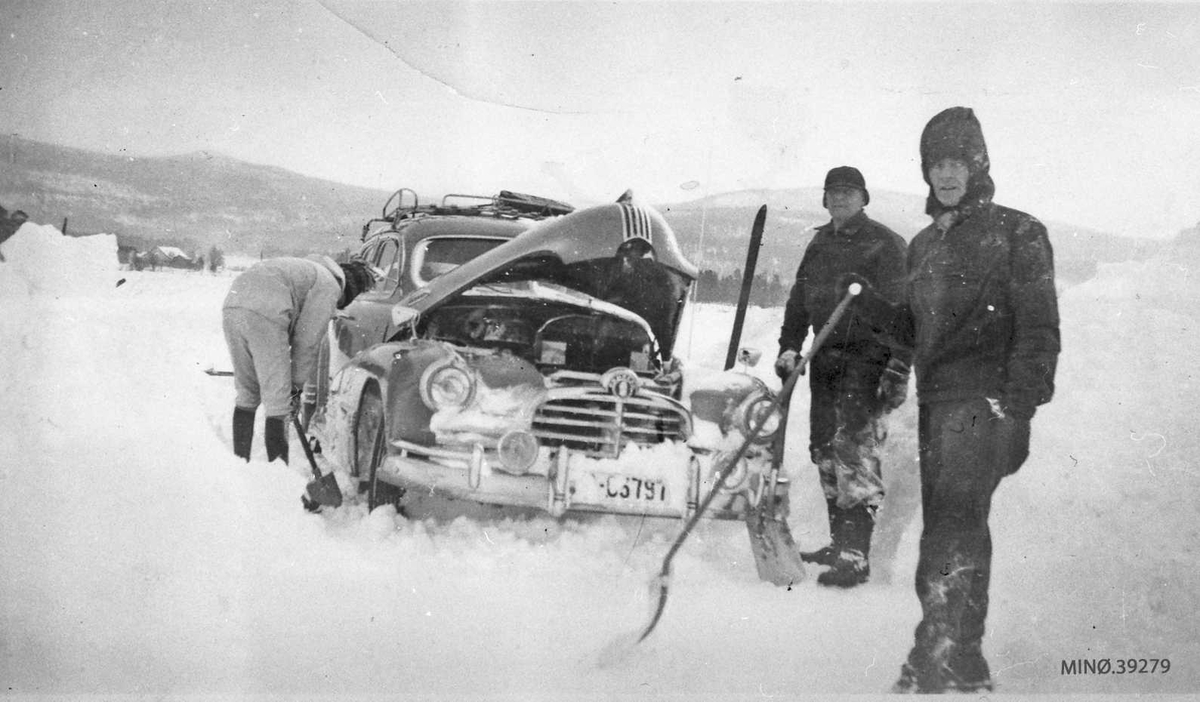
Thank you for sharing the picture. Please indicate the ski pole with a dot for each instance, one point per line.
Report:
(780, 401)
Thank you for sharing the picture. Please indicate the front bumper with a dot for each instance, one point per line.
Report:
(565, 481)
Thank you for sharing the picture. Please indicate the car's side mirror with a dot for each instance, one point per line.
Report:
(402, 316)
(749, 355)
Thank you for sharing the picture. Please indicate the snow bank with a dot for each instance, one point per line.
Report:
(1104, 519)
(39, 261)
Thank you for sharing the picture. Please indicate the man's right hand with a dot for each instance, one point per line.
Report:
(786, 364)
(297, 399)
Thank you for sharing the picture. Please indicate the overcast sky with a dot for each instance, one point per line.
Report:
(1091, 112)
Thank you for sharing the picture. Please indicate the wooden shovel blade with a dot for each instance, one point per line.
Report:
(775, 553)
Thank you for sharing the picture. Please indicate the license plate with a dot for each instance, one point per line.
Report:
(627, 488)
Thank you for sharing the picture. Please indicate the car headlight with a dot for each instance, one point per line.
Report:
(518, 451)
(759, 407)
(447, 385)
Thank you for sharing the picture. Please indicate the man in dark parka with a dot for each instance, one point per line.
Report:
(982, 315)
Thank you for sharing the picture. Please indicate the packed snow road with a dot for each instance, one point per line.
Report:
(139, 556)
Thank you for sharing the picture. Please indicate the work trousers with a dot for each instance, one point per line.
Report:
(261, 353)
(847, 428)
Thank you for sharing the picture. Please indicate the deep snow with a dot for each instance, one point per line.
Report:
(139, 556)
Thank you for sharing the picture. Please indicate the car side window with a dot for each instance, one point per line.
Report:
(368, 251)
(388, 259)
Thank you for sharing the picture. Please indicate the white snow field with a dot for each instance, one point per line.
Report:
(138, 556)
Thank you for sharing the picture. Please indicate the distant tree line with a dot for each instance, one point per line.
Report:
(765, 291)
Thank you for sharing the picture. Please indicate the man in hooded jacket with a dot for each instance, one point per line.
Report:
(982, 316)
(274, 317)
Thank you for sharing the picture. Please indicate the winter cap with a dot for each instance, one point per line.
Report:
(847, 177)
(358, 279)
(956, 133)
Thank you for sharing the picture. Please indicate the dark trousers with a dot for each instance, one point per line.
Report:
(964, 452)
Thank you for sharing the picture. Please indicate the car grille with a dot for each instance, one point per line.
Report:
(599, 424)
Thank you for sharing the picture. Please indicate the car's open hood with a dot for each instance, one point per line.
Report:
(599, 251)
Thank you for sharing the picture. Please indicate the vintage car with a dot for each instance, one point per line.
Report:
(410, 245)
(541, 374)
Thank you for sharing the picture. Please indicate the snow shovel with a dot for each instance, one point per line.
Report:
(663, 581)
(775, 553)
(322, 490)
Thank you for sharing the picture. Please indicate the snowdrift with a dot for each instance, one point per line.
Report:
(140, 557)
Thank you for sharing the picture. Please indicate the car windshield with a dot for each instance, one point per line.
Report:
(439, 255)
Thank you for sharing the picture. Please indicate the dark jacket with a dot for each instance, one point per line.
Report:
(861, 246)
(984, 309)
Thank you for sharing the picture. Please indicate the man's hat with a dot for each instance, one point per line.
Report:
(847, 177)
(955, 133)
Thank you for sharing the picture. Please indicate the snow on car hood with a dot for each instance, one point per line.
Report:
(620, 253)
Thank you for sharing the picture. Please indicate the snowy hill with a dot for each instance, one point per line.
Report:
(193, 200)
(715, 231)
(200, 200)
(140, 557)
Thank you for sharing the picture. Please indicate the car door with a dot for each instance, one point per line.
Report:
(364, 322)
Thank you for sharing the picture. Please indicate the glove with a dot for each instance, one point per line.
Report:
(846, 280)
(1014, 442)
(297, 399)
(1012, 439)
(893, 384)
(785, 364)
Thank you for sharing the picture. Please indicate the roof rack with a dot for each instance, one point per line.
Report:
(507, 204)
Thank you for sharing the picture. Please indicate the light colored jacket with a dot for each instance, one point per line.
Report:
(298, 294)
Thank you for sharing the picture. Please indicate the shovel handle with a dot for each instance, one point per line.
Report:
(312, 461)
(780, 403)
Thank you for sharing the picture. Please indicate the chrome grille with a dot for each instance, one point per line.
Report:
(599, 424)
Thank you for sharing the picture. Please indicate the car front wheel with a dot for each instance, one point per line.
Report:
(369, 450)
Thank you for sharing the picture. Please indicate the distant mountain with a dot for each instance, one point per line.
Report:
(204, 199)
(715, 231)
(192, 201)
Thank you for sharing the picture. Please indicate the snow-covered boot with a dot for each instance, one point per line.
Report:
(969, 670)
(243, 431)
(908, 683)
(853, 539)
(826, 555)
(925, 676)
(922, 674)
(849, 569)
(276, 438)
